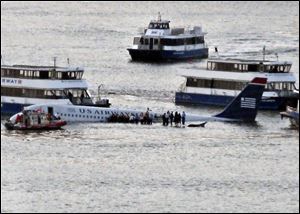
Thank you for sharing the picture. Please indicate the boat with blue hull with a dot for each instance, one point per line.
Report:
(223, 79)
(275, 103)
(159, 42)
(23, 85)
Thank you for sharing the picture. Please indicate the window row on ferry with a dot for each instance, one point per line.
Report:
(230, 85)
(248, 67)
(77, 96)
(159, 26)
(170, 42)
(28, 74)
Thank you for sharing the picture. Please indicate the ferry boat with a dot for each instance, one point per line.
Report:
(292, 114)
(23, 85)
(223, 79)
(160, 42)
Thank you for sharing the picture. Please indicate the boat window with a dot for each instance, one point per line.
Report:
(199, 40)
(142, 41)
(218, 84)
(172, 42)
(190, 41)
(64, 75)
(158, 26)
(44, 75)
(253, 67)
(211, 66)
(146, 42)
(155, 41)
(36, 74)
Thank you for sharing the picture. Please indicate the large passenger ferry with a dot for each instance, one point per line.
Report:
(160, 42)
(23, 85)
(223, 79)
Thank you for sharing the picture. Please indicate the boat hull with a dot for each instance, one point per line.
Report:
(159, 55)
(274, 103)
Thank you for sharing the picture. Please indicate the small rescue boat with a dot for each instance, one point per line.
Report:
(35, 121)
(42, 127)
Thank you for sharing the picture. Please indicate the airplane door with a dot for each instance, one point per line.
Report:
(50, 110)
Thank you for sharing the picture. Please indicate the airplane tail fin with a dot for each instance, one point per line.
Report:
(244, 107)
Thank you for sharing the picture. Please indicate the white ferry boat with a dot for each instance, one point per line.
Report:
(160, 42)
(23, 85)
(223, 79)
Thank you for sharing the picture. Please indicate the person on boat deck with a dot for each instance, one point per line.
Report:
(131, 118)
(18, 119)
(56, 116)
(167, 118)
(82, 97)
(137, 118)
(39, 119)
(171, 118)
(26, 118)
(49, 117)
(164, 119)
(70, 95)
(183, 118)
(176, 119)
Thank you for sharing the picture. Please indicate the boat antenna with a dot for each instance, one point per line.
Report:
(276, 54)
(54, 61)
(159, 16)
(68, 62)
(217, 52)
(264, 53)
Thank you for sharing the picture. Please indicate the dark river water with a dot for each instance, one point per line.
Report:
(133, 168)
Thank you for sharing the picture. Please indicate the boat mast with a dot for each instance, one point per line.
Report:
(264, 53)
(159, 17)
(54, 61)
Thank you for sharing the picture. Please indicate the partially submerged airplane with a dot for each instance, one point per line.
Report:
(242, 109)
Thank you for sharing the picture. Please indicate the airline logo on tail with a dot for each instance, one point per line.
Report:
(247, 102)
(244, 107)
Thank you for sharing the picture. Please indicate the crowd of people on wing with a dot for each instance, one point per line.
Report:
(145, 118)
(176, 118)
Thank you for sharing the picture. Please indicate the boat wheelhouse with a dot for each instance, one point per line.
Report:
(23, 85)
(160, 42)
(223, 79)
